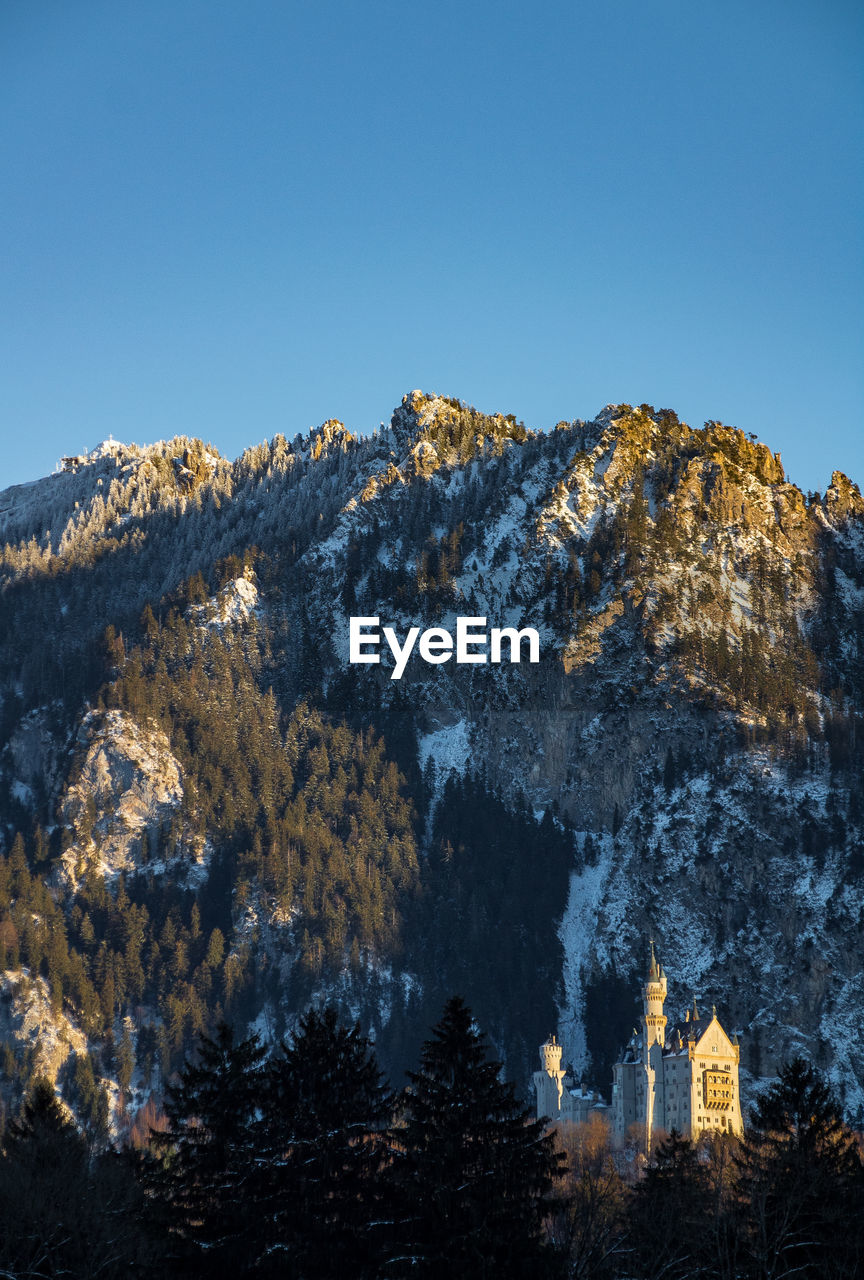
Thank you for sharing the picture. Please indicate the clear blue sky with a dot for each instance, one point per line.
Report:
(230, 219)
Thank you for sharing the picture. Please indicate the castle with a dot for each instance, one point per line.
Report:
(682, 1077)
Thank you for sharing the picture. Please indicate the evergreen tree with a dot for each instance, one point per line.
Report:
(801, 1176)
(63, 1213)
(669, 771)
(670, 1216)
(201, 1186)
(475, 1173)
(322, 1154)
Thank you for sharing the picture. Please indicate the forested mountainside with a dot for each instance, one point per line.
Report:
(207, 811)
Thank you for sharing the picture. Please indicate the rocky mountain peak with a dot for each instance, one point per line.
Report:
(843, 498)
(331, 434)
(729, 444)
(417, 411)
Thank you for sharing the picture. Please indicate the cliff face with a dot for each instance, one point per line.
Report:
(32, 1029)
(692, 731)
(122, 802)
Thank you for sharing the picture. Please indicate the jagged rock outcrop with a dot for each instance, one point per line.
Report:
(33, 1028)
(843, 499)
(123, 803)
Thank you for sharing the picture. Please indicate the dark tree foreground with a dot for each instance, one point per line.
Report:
(322, 1155)
(287, 1168)
(201, 1182)
(802, 1183)
(64, 1210)
(671, 1214)
(475, 1173)
(276, 1170)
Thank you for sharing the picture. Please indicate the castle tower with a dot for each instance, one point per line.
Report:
(653, 1043)
(549, 1080)
(550, 1056)
(653, 997)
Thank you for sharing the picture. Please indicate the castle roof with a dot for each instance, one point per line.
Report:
(678, 1036)
(655, 970)
(689, 1029)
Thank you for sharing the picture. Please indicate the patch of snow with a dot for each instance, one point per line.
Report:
(852, 594)
(449, 748)
(264, 1026)
(21, 792)
(234, 604)
(105, 449)
(577, 933)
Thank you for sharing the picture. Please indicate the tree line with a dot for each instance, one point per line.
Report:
(304, 1163)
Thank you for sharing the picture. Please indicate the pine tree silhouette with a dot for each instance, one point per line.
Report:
(801, 1175)
(63, 1210)
(322, 1154)
(475, 1173)
(670, 1217)
(202, 1183)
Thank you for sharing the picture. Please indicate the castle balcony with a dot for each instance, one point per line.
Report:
(717, 1090)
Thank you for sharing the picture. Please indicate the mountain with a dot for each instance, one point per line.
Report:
(207, 809)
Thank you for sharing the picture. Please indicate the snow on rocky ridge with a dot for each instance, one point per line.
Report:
(234, 604)
(30, 1023)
